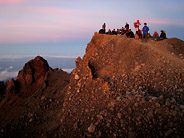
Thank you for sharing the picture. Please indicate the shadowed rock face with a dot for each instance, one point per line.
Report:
(33, 73)
(2, 89)
(122, 87)
(27, 101)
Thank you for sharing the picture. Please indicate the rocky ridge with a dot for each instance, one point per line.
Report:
(126, 88)
(122, 87)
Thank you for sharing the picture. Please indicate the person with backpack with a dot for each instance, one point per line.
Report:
(145, 30)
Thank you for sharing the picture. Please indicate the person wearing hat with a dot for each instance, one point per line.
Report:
(156, 36)
(145, 30)
(136, 25)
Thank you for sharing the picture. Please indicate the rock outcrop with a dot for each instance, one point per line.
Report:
(122, 87)
(32, 100)
(32, 75)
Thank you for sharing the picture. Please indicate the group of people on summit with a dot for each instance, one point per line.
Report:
(140, 34)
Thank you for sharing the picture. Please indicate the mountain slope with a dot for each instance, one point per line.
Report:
(126, 88)
(122, 87)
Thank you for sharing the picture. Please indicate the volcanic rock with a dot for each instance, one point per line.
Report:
(122, 87)
(32, 100)
(129, 81)
(33, 74)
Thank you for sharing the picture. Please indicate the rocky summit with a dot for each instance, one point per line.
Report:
(122, 87)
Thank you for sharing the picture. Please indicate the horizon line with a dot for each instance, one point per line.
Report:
(63, 55)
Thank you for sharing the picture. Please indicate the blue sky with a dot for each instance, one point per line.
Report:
(56, 27)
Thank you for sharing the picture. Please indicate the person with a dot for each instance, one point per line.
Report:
(101, 31)
(128, 32)
(136, 25)
(145, 30)
(140, 34)
(109, 32)
(131, 34)
(104, 26)
(156, 36)
(123, 31)
(163, 35)
(118, 31)
(114, 32)
(127, 26)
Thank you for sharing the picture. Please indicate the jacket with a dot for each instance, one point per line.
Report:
(136, 24)
(145, 29)
(155, 34)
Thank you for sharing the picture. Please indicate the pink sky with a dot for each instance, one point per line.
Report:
(43, 20)
(16, 1)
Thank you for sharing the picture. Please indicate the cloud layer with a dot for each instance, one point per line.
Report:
(6, 74)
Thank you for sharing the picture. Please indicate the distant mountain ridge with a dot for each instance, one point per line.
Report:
(9, 67)
(122, 87)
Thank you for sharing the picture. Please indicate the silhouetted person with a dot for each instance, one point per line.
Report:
(114, 32)
(101, 31)
(163, 35)
(104, 26)
(109, 32)
(127, 26)
(145, 30)
(131, 34)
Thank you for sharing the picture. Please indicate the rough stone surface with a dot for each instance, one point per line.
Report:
(122, 87)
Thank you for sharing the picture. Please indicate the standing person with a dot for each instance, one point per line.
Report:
(163, 35)
(127, 26)
(145, 30)
(104, 26)
(136, 25)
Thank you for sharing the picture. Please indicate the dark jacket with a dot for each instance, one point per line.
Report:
(127, 26)
(163, 35)
(114, 32)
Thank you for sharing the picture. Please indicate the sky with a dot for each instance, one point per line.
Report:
(65, 27)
